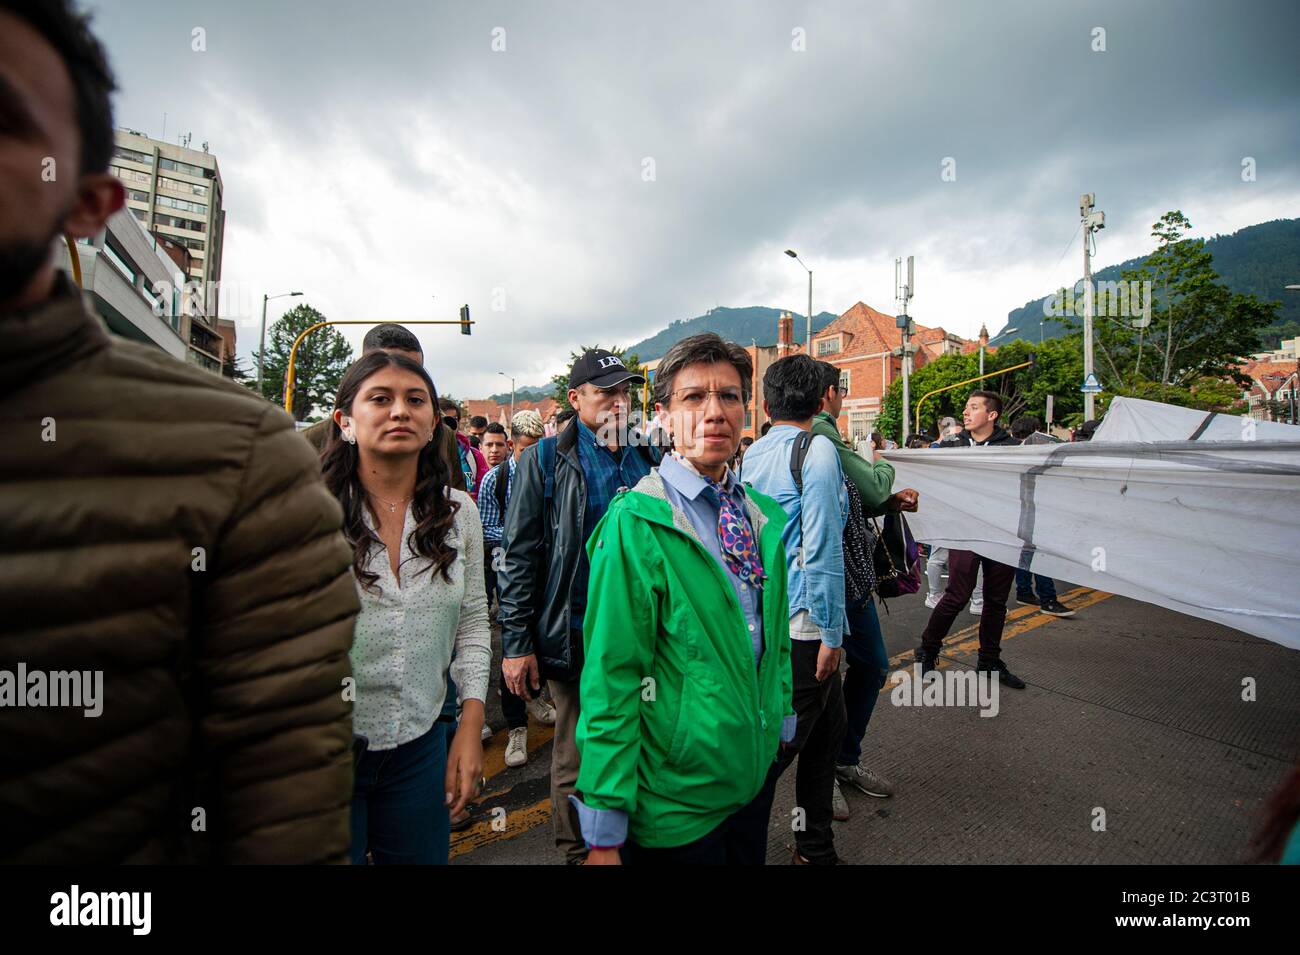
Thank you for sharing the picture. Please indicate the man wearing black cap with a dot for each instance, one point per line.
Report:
(562, 487)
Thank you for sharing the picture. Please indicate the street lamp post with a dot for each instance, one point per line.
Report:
(261, 349)
(794, 255)
(1005, 331)
(512, 395)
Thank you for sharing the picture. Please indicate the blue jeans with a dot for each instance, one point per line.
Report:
(398, 809)
(1026, 582)
(864, 646)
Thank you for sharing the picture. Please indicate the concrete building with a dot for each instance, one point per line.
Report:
(1286, 351)
(176, 193)
(131, 282)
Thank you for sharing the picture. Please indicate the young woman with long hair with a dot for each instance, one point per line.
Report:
(418, 561)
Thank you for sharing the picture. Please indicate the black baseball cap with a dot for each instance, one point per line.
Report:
(602, 369)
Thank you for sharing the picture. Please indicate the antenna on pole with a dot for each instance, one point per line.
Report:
(903, 292)
(1092, 222)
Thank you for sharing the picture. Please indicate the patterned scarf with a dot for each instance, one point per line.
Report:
(734, 536)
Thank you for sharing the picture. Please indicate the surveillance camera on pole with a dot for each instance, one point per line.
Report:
(1092, 222)
(903, 292)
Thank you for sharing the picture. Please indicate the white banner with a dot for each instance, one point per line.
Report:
(1210, 529)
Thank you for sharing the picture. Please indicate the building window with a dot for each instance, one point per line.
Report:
(844, 382)
(189, 169)
(184, 204)
(178, 223)
(189, 188)
(828, 346)
(120, 260)
(137, 195)
(132, 155)
(129, 175)
(859, 425)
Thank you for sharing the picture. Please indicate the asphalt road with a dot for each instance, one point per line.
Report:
(1131, 744)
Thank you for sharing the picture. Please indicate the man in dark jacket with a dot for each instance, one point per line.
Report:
(983, 409)
(561, 490)
(166, 545)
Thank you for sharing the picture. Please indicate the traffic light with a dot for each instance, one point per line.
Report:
(464, 320)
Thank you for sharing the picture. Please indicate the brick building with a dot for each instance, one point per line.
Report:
(865, 345)
(1272, 380)
(500, 412)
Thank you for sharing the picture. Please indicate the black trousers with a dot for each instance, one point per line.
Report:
(820, 709)
(963, 566)
(740, 839)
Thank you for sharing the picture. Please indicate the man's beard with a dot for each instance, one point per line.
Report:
(19, 263)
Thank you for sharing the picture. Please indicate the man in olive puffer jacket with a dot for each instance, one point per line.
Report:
(163, 533)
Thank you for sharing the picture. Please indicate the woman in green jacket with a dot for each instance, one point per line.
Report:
(685, 693)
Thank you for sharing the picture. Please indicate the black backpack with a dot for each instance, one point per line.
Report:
(502, 486)
(859, 567)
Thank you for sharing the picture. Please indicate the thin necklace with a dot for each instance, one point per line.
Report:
(392, 507)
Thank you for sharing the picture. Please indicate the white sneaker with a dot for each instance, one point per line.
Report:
(487, 732)
(932, 600)
(517, 747)
(977, 608)
(541, 711)
(839, 805)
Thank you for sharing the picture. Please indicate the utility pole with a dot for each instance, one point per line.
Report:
(808, 341)
(512, 395)
(261, 349)
(1092, 222)
(903, 292)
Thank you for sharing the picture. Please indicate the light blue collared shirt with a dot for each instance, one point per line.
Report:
(813, 537)
(691, 493)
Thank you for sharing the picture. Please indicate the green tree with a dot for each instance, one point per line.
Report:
(322, 358)
(560, 382)
(1057, 371)
(233, 368)
(1197, 326)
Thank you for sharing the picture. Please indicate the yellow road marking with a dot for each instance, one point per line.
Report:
(516, 824)
(1021, 620)
(494, 750)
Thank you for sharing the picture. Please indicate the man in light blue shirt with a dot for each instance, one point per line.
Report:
(817, 505)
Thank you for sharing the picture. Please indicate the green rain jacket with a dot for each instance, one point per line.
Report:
(678, 728)
(874, 481)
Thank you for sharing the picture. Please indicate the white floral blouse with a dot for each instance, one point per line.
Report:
(416, 629)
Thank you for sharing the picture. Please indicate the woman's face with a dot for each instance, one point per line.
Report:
(706, 414)
(392, 413)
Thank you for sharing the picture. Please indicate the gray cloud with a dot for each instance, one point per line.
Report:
(523, 169)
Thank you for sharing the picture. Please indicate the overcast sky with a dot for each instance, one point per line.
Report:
(619, 165)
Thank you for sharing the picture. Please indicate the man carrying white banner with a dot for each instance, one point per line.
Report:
(983, 409)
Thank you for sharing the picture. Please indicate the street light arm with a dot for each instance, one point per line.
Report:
(293, 352)
(931, 394)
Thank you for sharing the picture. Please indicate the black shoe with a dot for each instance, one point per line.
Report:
(1027, 600)
(1056, 608)
(1005, 676)
(928, 661)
